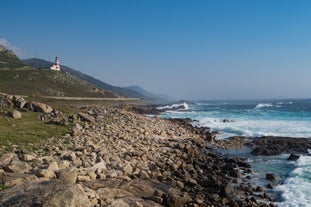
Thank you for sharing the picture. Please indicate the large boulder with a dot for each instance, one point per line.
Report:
(16, 114)
(41, 107)
(20, 102)
(6, 158)
(17, 166)
(47, 193)
(86, 117)
(5, 102)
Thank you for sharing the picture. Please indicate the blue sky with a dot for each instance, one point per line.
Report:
(188, 49)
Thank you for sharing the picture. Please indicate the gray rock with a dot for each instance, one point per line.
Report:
(119, 203)
(47, 193)
(27, 157)
(14, 179)
(17, 167)
(5, 102)
(41, 107)
(128, 169)
(100, 166)
(83, 178)
(16, 114)
(67, 176)
(176, 198)
(6, 158)
(20, 102)
(53, 166)
(45, 173)
(75, 131)
(87, 117)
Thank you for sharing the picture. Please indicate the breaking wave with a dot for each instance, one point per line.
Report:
(177, 106)
(263, 105)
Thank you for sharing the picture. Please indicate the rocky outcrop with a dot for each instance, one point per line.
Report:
(278, 145)
(86, 117)
(20, 103)
(45, 193)
(293, 157)
(5, 102)
(41, 107)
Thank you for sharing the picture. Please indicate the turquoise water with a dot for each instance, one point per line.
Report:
(289, 118)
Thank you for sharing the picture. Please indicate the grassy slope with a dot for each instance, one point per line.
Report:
(47, 83)
(29, 129)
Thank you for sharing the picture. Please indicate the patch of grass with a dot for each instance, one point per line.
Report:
(29, 129)
(3, 187)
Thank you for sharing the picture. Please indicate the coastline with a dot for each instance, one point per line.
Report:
(130, 159)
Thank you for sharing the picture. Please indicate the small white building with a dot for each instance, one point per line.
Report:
(56, 65)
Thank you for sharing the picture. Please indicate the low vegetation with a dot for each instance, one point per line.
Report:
(26, 131)
(38, 83)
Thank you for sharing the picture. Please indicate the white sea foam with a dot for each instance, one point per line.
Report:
(263, 105)
(255, 128)
(174, 106)
(296, 190)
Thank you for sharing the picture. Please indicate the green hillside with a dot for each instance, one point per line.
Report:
(8, 60)
(47, 83)
(17, 78)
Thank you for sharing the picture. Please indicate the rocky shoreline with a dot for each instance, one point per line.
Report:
(116, 157)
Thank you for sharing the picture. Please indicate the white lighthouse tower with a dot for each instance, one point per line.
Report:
(56, 65)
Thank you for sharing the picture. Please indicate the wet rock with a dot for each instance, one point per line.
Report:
(270, 186)
(293, 157)
(278, 145)
(271, 177)
(260, 189)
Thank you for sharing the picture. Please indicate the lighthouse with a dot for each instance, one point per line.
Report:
(56, 65)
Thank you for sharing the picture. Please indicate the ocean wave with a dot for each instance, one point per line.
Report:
(263, 105)
(296, 189)
(178, 106)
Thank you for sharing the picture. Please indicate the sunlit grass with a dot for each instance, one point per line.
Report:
(28, 129)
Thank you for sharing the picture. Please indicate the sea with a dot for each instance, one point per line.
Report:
(255, 118)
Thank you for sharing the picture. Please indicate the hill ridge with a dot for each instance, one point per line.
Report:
(41, 64)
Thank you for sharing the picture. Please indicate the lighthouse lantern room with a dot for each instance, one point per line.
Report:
(56, 65)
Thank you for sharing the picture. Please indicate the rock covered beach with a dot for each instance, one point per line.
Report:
(116, 157)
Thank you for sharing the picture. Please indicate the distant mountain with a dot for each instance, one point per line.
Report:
(41, 64)
(8, 60)
(156, 97)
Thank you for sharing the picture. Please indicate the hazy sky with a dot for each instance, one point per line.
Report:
(191, 49)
